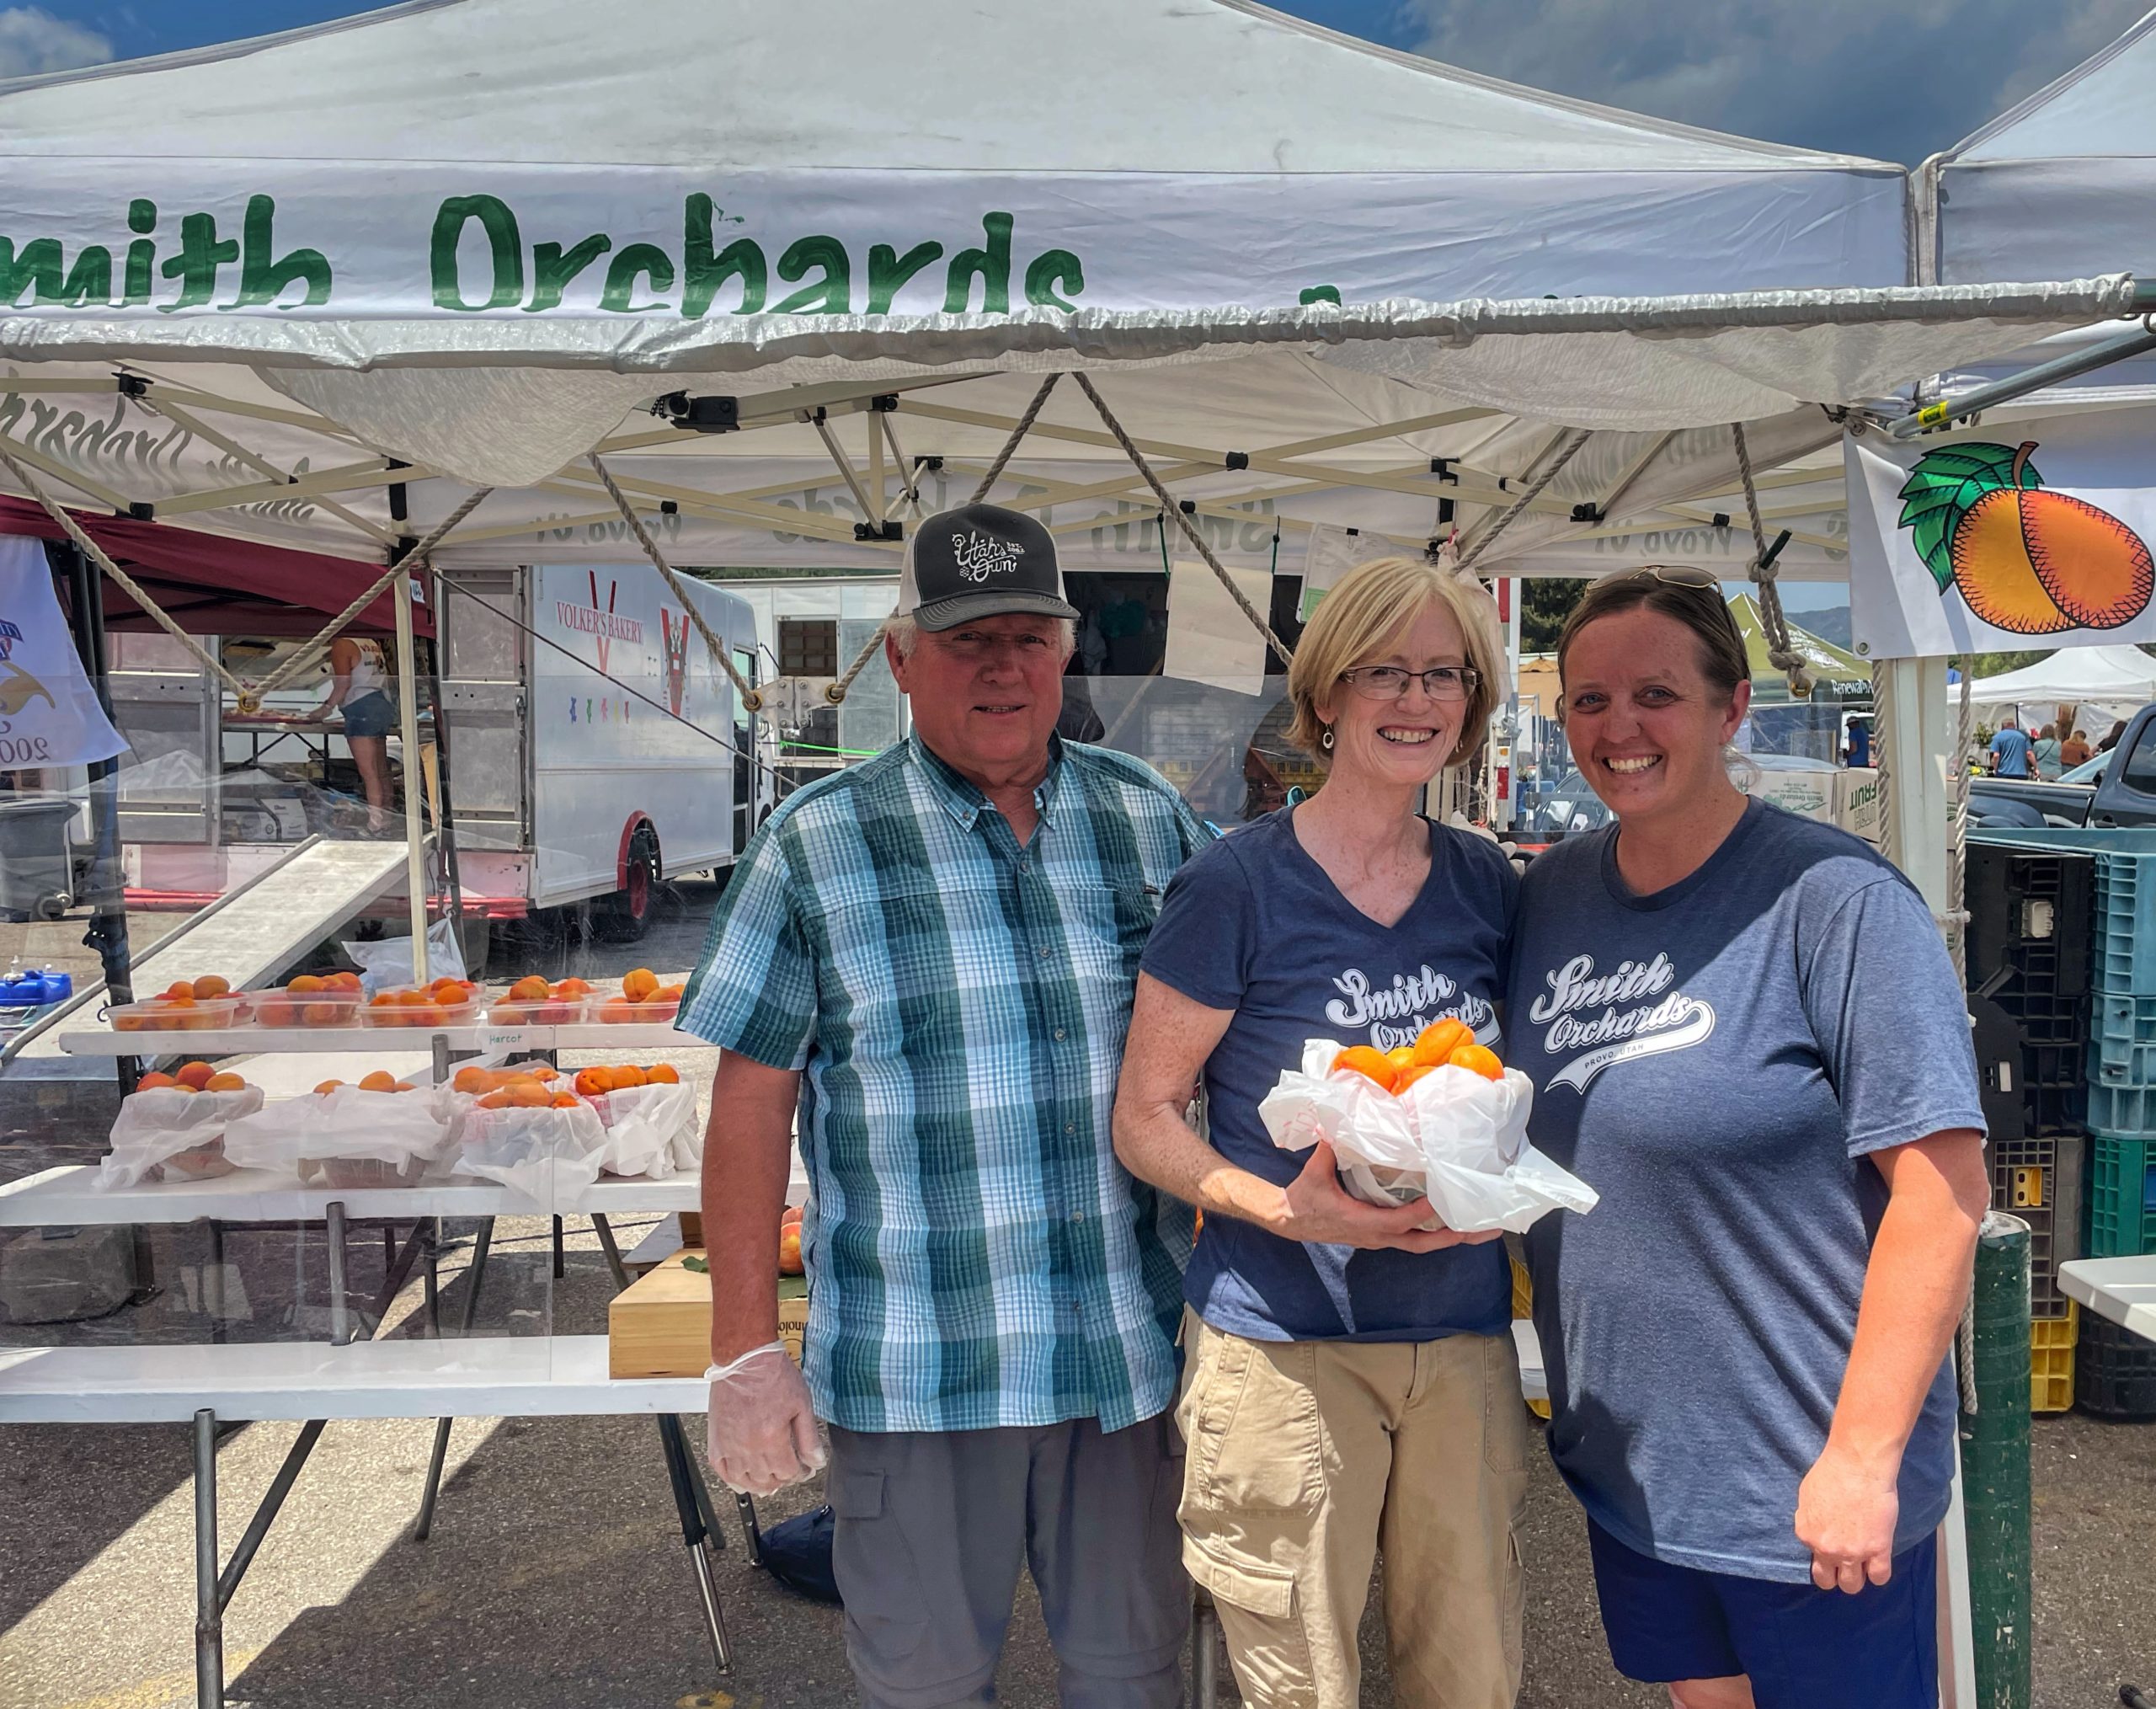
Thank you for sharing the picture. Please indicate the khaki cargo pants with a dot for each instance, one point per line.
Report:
(1307, 1457)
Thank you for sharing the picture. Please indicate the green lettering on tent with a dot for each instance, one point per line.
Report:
(647, 260)
(141, 253)
(834, 294)
(195, 267)
(888, 271)
(35, 270)
(89, 281)
(1054, 271)
(553, 267)
(702, 273)
(262, 280)
(1320, 293)
(502, 237)
(992, 265)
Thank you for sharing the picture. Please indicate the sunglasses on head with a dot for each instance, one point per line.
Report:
(1671, 575)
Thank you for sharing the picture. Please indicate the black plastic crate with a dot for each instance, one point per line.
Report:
(2113, 1370)
(2032, 910)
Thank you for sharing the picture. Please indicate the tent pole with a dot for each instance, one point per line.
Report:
(415, 789)
(1950, 409)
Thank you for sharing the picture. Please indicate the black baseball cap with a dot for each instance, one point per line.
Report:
(982, 561)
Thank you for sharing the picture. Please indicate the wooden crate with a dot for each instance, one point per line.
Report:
(660, 1326)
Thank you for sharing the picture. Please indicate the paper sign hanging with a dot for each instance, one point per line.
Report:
(1333, 552)
(2028, 533)
(1209, 639)
(49, 712)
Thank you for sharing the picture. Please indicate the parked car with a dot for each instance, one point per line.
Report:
(2095, 793)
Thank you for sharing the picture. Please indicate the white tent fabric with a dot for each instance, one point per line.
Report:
(2123, 676)
(2063, 181)
(1321, 283)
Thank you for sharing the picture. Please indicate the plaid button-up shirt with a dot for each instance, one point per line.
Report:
(958, 1003)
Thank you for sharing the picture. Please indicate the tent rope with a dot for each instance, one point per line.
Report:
(836, 692)
(1764, 574)
(1519, 506)
(1956, 922)
(1169, 507)
(750, 700)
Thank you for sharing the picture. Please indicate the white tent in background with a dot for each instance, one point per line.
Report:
(2120, 679)
(479, 238)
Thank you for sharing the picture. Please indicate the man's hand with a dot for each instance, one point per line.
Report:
(1845, 1514)
(1314, 1207)
(761, 1432)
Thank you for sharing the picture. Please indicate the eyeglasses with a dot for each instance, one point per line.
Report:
(1671, 575)
(1389, 681)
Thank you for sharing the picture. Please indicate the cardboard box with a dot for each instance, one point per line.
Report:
(660, 1326)
(1856, 802)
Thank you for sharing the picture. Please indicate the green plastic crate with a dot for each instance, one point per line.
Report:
(2121, 1195)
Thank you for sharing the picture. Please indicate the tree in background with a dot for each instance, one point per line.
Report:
(1544, 605)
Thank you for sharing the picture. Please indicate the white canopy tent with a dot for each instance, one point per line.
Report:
(1319, 282)
(2120, 679)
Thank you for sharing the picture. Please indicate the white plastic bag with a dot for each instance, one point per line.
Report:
(1454, 1136)
(386, 964)
(650, 1130)
(169, 1134)
(349, 1137)
(547, 1156)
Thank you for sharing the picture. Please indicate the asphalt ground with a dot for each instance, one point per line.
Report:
(556, 1573)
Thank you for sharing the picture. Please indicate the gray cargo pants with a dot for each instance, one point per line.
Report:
(932, 1527)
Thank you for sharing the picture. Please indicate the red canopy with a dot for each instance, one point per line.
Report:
(211, 585)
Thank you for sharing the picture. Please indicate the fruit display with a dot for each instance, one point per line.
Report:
(592, 1082)
(192, 1077)
(204, 1004)
(644, 999)
(172, 1126)
(531, 1001)
(2024, 560)
(789, 1241)
(1447, 1044)
(527, 1086)
(310, 999)
(447, 1002)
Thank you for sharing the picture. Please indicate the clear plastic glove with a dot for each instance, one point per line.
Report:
(761, 1432)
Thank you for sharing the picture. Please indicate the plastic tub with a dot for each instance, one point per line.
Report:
(618, 1011)
(187, 1015)
(540, 1011)
(348, 1174)
(280, 1008)
(200, 1163)
(424, 1012)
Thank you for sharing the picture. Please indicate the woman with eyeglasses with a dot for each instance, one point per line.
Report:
(1349, 1378)
(1745, 1034)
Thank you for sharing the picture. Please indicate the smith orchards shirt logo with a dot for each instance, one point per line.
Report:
(1618, 1018)
(1396, 1014)
(980, 556)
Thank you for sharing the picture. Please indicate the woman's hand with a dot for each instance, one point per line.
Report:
(1314, 1207)
(1845, 1513)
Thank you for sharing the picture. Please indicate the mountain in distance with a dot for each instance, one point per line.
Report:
(1829, 624)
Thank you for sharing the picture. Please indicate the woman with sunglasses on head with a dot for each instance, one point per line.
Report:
(1745, 1034)
(1349, 1378)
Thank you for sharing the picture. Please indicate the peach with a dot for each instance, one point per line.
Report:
(196, 1075)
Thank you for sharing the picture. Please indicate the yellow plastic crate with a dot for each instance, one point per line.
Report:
(2051, 1361)
(1523, 1306)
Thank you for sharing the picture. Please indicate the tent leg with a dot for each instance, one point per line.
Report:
(408, 713)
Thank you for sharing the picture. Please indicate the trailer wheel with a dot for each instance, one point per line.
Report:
(624, 916)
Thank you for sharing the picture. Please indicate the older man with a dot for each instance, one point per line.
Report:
(944, 942)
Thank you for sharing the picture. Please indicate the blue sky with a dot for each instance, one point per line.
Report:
(1896, 81)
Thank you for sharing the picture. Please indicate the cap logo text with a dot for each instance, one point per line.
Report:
(980, 556)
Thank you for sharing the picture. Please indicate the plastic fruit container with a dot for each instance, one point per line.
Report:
(419, 1007)
(197, 1163)
(540, 1011)
(348, 1174)
(620, 1013)
(281, 1008)
(189, 1015)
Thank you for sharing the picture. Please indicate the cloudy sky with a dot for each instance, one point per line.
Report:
(1894, 79)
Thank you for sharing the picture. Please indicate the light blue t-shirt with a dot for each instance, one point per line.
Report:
(2010, 748)
(1252, 924)
(1717, 1059)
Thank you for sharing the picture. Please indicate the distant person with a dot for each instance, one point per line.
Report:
(2046, 754)
(2112, 740)
(1860, 744)
(358, 693)
(2010, 752)
(2075, 751)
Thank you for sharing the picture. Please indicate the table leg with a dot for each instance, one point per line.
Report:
(209, 1608)
(432, 1251)
(213, 1283)
(473, 1276)
(340, 1325)
(558, 1269)
(750, 1530)
(694, 1536)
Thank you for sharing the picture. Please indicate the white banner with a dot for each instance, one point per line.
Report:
(49, 712)
(2020, 534)
(1210, 639)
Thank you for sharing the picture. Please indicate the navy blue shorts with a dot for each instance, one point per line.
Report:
(372, 714)
(1802, 1647)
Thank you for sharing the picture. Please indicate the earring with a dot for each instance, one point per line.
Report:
(1325, 741)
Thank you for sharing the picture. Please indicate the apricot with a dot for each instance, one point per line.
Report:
(791, 1218)
(342, 981)
(472, 1079)
(215, 985)
(531, 989)
(662, 1074)
(403, 1086)
(300, 984)
(591, 1081)
(1408, 1079)
(225, 1082)
(1402, 1058)
(565, 1100)
(639, 983)
(625, 1077)
(494, 1100)
(151, 1081)
(1370, 1063)
(574, 988)
(322, 1014)
(195, 1075)
(616, 1010)
(1478, 1058)
(327, 1087)
(789, 1250)
(180, 988)
(381, 1080)
(1439, 1039)
(128, 1023)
